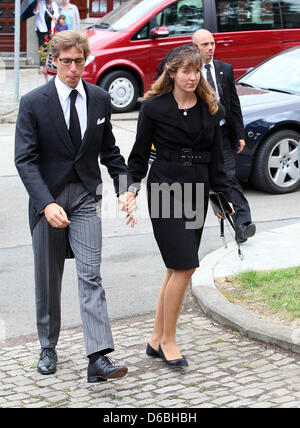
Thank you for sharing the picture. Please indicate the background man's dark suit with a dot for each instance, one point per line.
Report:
(232, 132)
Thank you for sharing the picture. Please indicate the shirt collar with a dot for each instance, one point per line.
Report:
(211, 63)
(65, 90)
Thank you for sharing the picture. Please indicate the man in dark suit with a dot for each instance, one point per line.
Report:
(221, 78)
(62, 129)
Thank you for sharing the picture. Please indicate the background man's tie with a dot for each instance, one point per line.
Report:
(209, 77)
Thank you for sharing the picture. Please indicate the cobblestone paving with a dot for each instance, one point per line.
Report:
(226, 370)
(28, 80)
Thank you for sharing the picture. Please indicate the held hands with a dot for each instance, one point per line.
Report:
(56, 216)
(242, 145)
(127, 202)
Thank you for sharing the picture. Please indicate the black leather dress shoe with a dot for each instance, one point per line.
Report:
(47, 361)
(151, 351)
(180, 362)
(244, 231)
(103, 369)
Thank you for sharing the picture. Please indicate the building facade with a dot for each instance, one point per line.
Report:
(90, 11)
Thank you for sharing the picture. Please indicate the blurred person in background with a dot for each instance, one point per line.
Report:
(71, 13)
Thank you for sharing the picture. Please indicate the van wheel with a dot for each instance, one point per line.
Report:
(123, 89)
(276, 164)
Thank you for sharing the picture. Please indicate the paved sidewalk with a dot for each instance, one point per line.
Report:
(275, 249)
(28, 80)
(226, 370)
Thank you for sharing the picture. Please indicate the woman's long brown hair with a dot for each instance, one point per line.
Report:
(189, 56)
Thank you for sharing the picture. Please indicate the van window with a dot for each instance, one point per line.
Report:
(143, 33)
(182, 17)
(127, 14)
(236, 15)
(290, 13)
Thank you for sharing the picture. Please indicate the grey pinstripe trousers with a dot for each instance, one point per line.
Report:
(49, 248)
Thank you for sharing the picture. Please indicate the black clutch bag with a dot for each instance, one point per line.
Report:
(221, 206)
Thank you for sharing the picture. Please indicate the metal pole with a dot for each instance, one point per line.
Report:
(17, 50)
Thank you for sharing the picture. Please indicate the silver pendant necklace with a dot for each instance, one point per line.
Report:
(185, 109)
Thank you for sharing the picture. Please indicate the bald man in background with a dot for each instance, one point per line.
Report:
(221, 77)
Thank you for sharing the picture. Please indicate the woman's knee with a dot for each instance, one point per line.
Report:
(185, 272)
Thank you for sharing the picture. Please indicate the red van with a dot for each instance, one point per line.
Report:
(129, 42)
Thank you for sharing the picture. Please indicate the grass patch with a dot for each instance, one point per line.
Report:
(278, 289)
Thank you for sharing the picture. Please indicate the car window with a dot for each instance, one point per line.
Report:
(143, 33)
(182, 17)
(290, 13)
(236, 15)
(272, 74)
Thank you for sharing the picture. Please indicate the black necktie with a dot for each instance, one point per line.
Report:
(209, 77)
(74, 128)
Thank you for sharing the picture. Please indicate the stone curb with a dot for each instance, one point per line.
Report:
(217, 307)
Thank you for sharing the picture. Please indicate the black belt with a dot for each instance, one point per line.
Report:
(185, 156)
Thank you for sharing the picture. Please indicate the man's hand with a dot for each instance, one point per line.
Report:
(56, 216)
(127, 202)
(242, 145)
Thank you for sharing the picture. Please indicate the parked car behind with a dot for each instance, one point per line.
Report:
(270, 101)
(129, 42)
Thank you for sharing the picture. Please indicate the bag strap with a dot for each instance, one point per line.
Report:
(222, 235)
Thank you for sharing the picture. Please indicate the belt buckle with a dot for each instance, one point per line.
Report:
(187, 156)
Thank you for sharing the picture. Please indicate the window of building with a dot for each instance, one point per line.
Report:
(101, 7)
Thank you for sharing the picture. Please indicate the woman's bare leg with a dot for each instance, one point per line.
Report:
(159, 316)
(167, 312)
(173, 298)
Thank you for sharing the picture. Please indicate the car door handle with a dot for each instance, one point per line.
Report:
(225, 42)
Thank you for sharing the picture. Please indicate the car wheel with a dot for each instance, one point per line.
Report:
(123, 89)
(276, 164)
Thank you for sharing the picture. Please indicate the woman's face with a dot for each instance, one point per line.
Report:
(186, 78)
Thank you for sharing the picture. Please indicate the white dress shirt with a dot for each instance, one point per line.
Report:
(213, 74)
(64, 91)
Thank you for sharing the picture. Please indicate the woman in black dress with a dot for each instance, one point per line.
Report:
(180, 116)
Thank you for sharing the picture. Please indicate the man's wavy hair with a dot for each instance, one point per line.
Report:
(67, 39)
(188, 55)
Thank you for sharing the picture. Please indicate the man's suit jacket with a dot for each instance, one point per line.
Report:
(44, 153)
(230, 101)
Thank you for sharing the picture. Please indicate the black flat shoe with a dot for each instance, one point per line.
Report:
(103, 368)
(151, 351)
(47, 361)
(180, 362)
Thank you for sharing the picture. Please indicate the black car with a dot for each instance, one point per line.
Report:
(270, 100)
